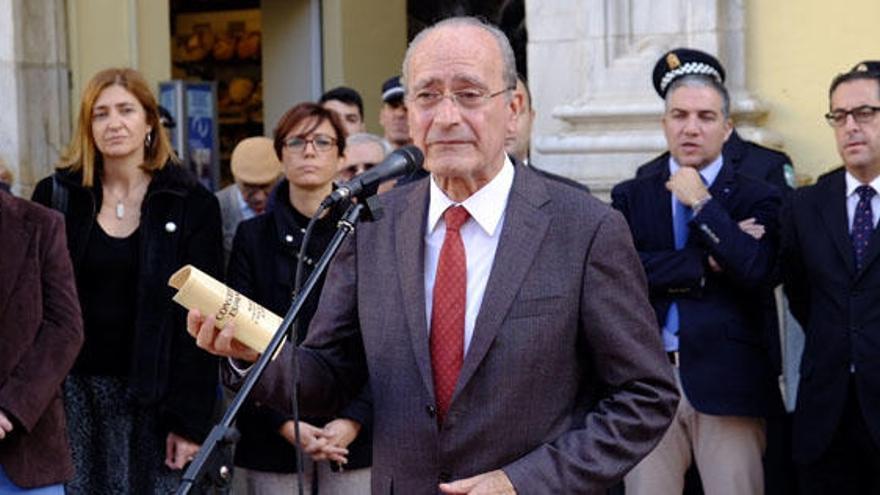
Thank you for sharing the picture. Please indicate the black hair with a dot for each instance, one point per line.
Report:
(346, 95)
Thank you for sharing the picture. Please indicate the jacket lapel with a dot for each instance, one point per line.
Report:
(662, 216)
(523, 231)
(411, 269)
(832, 210)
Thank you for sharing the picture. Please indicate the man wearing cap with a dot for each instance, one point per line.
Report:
(746, 157)
(392, 117)
(256, 169)
(831, 272)
(707, 237)
(349, 105)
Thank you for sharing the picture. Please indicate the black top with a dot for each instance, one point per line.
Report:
(180, 224)
(108, 294)
(262, 267)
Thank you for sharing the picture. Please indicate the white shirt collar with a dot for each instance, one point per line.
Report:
(709, 172)
(852, 183)
(486, 206)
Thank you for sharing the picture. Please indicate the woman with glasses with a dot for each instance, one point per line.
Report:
(141, 395)
(310, 142)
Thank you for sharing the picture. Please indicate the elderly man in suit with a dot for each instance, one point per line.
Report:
(831, 274)
(501, 316)
(41, 331)
(707, 237)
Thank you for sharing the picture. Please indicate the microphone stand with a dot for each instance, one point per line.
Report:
(224, 433)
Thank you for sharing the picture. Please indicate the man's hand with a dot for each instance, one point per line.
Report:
(5, 425)
(179, 451)
(314, 442)
(687, 186)
(215, 341)
(491, 483)
(752, 227)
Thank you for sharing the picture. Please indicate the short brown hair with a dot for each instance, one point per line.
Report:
(305, 111)
(82, 155)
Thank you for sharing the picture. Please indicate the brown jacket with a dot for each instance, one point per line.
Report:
(41, 333)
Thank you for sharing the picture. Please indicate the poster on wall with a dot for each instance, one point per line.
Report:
(171, 99)
(202, 142)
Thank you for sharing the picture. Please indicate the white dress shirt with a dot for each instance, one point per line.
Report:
(480, 234)
(852, 198)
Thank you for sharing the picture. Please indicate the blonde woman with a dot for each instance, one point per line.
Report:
(140, 396)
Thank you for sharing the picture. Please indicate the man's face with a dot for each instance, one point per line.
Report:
(695, 126)
(518, 143)
(392, 118)
(256, 195)
(359, 158)
(858, 144)
(460, 142)
(352, 120)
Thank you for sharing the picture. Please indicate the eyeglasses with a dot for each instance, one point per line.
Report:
(862, 115)
(354, 169)
(321, 143)
(468, 99)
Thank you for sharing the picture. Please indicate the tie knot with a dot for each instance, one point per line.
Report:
(455, 217)
(866, 192)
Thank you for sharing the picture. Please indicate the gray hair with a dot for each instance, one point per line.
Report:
(702, 81)
(367, 138)
(507, 59)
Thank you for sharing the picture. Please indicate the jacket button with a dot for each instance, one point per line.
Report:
(444, 477)
(170, 227)
(288, 239)
(431, 410)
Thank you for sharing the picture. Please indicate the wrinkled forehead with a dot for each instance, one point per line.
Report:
(463, 55)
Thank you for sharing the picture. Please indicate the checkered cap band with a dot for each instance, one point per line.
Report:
(688, 69)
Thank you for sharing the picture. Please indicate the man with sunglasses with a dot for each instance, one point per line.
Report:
(831, 274)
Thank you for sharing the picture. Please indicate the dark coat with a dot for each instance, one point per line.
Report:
(839, 310)
(262, 267)
(565, 385)
(726, 363)
(747, 158)
(180, 224)
(41, 331)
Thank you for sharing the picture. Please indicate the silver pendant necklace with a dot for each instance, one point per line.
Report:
(120, 209)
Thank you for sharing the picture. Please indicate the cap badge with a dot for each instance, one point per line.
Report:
(672, 61)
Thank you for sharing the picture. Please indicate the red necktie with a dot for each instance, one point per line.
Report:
(447, 313)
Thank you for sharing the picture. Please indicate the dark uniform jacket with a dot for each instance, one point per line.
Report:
(726, 366)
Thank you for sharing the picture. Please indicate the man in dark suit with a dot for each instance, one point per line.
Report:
(831, 274)
(707, 237)
(502, 316)
(41, 331)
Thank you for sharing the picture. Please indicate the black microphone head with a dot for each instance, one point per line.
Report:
(414, 157)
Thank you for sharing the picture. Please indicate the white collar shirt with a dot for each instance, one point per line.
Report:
(852, 198)
(479, 234)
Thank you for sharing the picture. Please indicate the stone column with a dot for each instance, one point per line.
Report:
(590, 65)
(34, 84)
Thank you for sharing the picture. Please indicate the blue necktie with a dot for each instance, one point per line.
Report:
(863, 224)
(681, 216)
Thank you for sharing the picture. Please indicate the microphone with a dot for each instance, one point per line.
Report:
(402, 161)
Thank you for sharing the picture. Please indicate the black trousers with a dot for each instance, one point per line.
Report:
(851, 464)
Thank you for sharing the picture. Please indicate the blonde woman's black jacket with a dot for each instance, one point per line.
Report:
(180, 224)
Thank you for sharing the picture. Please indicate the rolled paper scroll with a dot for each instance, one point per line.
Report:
(254, 324)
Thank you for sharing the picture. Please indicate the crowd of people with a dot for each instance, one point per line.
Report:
(498, 330)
